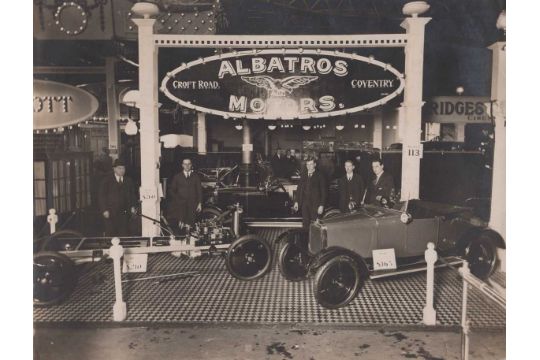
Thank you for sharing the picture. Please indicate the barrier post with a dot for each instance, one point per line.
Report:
(464, 271)
(52, 219)
(430, 315)
(116, 253)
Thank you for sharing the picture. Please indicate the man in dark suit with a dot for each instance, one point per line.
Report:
(381, 189)
(279, 164)
(117, 199)
(351, 189)
(291, 164)
(185, 196)
(311, 193)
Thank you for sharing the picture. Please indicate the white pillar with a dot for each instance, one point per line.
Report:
(429, 314)
(201, 133)
(52, 219)
(412, 104)
(497, 220)
(113, 109)
(460, 132)
(116, 251)
(149, 125)
(378, 130)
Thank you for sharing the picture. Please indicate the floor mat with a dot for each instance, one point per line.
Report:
(216, 297)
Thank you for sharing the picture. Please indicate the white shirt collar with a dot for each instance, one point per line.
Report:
(349, 176)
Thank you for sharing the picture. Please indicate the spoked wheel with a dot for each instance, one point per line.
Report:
(294, 256)
(481, 254)
(54, 278)
(249, 258)
(337, 282)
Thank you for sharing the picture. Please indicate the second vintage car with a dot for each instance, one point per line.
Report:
(338, 251)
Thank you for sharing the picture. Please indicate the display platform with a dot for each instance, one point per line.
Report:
(214, 296)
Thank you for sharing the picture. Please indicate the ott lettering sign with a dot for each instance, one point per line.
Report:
(282, 84)
(457, 109)
(58, 105)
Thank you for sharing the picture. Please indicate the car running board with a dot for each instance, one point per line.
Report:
(416, 267)
(274, 224)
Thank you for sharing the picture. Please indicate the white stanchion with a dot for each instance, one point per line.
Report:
(116, 252)
(52, 219)
(430, 315)
(465, 325)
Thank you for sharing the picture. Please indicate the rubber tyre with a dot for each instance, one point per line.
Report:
(481, 254)
(293, 259)
(61, 273)
(337, 282)
(47, 243)
(249, 258)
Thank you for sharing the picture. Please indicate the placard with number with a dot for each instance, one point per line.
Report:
(135, 263)
(384, 259)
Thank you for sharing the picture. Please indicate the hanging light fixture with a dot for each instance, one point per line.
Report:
(306, 127)
(238, 125)
(340, 127)
(131, 128)
(272, 127)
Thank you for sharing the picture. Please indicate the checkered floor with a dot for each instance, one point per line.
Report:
(216, 297)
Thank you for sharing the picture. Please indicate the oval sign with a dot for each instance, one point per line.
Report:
(58, 105)
(277, 84)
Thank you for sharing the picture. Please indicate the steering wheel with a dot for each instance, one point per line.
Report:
(273, 184)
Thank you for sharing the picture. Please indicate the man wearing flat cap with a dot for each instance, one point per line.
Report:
(117, 200)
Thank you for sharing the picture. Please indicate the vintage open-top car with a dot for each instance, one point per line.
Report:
(338, 250)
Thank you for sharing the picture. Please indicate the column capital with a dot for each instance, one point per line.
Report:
(414, 23)
(498, 46)
(144, 23)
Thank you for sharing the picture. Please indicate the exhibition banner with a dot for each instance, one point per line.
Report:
(283, 84)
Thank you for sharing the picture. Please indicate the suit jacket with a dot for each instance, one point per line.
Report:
(312, 190)
(116, 197)
(184, 191)
(384, 187)
(350, 191)
(279, 166)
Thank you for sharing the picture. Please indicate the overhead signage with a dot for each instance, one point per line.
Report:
(284, 84)
(457, 109)
(58, 105)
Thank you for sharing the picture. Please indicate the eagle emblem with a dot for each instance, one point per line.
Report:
(279, 87)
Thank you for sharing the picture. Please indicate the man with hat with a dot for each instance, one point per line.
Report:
(311, 193)
(117, 199)
(185, 194)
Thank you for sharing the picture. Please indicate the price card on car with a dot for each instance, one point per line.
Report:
(384, 259)
(135, 263)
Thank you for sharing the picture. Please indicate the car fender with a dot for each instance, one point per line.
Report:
(286, 237)
(475, 233)
(326, 254)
